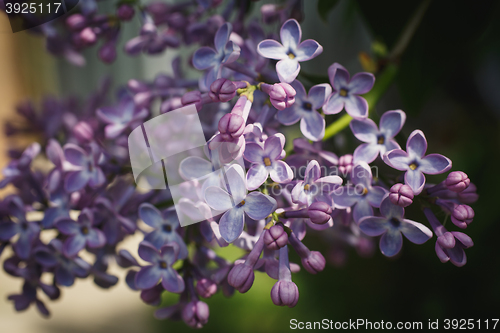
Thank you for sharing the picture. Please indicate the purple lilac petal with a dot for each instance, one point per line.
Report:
(345, 199)
(391, 243)
(281, 172)
(391, 123)
(356, 106)
(231, 224)
(361, 209)
(375, 196)
(415, 232)
(73, 245)
(204, 57)
(254, 153)
(364, 130)
(288, 116)
(318, 95)
(271, 49)
(373, 226)
(170, 253)
(313, 172)
(171, 281)
(222, 36)
(389, 210)
(362, 174)
(397, 159)
(416, 146)
(147, 277)
(75, 155)
(150, 215)
(96, 238)
(287, 70)
(218, 199)
(256, 176)
(236, 182)
(334, 104)
(434, 164)
(339, 76)
(273, 147)
(366, 152)
(307, 50)
(258, 206)
(67, 226)
(290, 34)
(96, 178)
(8, 230)
(361, 83)
(416, 180)
(76, 180)
(194, 167)
(312, 126)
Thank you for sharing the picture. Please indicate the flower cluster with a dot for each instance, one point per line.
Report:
(251, 190)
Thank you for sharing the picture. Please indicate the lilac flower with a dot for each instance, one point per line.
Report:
(65, 269)
(225, 52)
(266, 162)
(305, 151)
(160, 268)
(235, 205)
(87, 171)
(360, 193)
(312, 124)
(285, 292)
(27, 231)
(415, 162)
(151, 40)
(346, 90)
(121, 116)
(313, 188)
(275, 237)
(290, 52)
(281, 95)
(391, 225)
(81, 233)
(449, 245)
(195, 314)
(19, 168)
(312, 261)
(165, 226)
(377, 141)
(457, 181)
(113, 222)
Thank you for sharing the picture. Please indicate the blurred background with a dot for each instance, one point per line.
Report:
(448, 84)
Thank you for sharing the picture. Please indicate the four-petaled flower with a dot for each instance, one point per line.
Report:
(267, 161)
(313, 188)
(346, 91)
(312, 124)
(160, 268)
(238, 203)
(360, 194)
(225, 52)
(81, 233)
(291, 52)
(87, 171)
(415, 162)
(378, 141)
(165, 226)
(391, 225)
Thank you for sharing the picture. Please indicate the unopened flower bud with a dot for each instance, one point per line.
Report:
(241, 277)
(282, 95)
(468, 195)
(83, 132)
(285, 293)
(222, 90)
(195, 314)
(206, 288)
(345, 165)
(446, 240)
(457, 181)
(462, 215)
(231, 126)
(319, 212)
(107, 52)
(76, 22)
(401, 195)
(125, 12)
(314, 263)
(276, 237)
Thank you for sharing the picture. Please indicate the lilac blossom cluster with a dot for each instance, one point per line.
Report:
(265, 206)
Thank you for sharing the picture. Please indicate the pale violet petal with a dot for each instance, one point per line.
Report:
(258, 206)
(218, 199)
(231, 224)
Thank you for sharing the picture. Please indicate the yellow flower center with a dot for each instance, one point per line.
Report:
(343, 92)
(381, 140)
(242, 202)
(306, 187)
(291, 55)
(267, 161)
(413, 166)
(365, 191)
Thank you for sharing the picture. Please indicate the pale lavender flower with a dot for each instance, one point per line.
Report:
(415, 162)
(291, 52)
(82, 233)
(391, 225)
(235, 205)
(86, 165)
(160, 268)
(346, 90)
(165, 226)
(225, 52)
(121, 116)
(378, 141)
(312, 124)
(313, 188)
(267, 162)
(360, 194)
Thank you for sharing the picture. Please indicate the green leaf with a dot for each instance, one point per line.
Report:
(324, 8)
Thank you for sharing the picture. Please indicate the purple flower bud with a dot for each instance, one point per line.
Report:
(206, 288)
(462, 215)
(457, 181)
(285, 293)
(282, 95)
(468, 195)
(345, 165)
(195, 314)
(314, 263)
(107, 52)
(231, 126)
(222, 90)
(83, 132)
(76, 22)
(401, 195)
(319, 212)
(125, 12)
(446, 240)
(88, 36)
(241, 277)
(276, 237)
